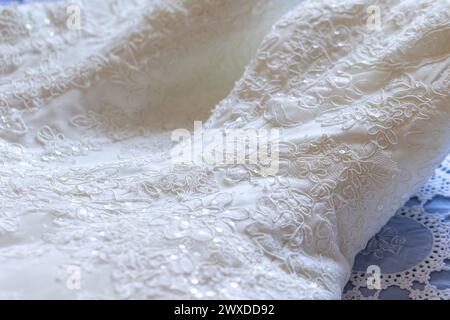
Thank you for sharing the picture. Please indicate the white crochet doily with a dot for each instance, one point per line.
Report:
(412, 250)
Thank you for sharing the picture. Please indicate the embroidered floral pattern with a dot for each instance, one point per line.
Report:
(387, 240)
(350, 103)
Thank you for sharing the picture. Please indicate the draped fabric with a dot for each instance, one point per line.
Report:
(92, 203)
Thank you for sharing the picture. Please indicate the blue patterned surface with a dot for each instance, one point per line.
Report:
(414, 243)
(11, 1)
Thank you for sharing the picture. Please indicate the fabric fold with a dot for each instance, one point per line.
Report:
(94, 204)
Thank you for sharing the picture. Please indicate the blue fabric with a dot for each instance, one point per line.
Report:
(11, 1)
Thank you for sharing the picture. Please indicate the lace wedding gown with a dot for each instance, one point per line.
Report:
(86, 115)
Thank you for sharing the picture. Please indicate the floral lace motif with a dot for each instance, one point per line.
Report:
(387, 240)
(351, 103)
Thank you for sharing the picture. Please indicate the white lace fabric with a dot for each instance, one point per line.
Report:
(85, 123)
(412, 250)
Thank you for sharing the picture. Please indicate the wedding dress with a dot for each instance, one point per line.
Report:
(87, 185)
